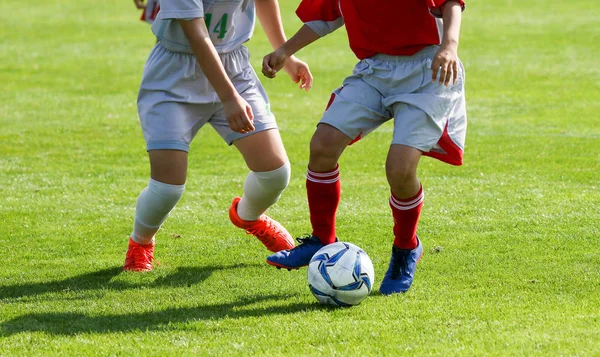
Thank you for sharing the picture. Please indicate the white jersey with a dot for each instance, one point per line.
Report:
(230, 23)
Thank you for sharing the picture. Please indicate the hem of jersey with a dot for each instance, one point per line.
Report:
(169, 15)
(184, 49)
(174, 46)
(231, 137)
(167, 145)
(424, 53)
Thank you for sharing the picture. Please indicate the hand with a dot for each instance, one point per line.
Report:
(445, 62)
(139, 4)
(238, 114)
(298, 72)
(273, 63)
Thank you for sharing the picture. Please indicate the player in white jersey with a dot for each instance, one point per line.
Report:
(198, 73)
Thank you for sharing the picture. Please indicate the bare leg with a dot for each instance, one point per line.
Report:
(401, 170)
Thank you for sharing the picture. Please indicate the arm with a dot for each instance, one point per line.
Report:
(445, 61)
(304, 37)
(270, 19)
(452, 20)
(208, 59)
(320, 17)
(237, 111)
(139, 4)
(274, 61)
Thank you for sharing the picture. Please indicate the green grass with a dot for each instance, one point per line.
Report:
(512, 259)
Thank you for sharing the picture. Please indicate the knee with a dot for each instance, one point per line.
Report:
(159, 198)
(168, 166)
(400, 175)
(276, 180)
(323, 151)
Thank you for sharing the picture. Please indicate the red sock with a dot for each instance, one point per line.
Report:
(323, 190)
(406, 214)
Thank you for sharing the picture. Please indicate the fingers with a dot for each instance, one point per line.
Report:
(250, 114)
(435, 67)
(247, 124)
(445, 74)
(302, 81)
(236, 124)
(451, 70)
(241, 124)
(455, 74)
(307, 80)
(267, 70)
(447, 70)
(243, 121)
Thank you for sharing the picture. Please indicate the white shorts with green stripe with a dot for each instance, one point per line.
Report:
(176, 99)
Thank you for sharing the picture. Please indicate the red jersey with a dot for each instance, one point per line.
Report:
(391, 27)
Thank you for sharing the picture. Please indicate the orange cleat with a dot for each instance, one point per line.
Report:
(139, 257)
(270, 232)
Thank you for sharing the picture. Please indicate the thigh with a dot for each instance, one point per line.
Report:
(168, 166)
(431, 118)
(250, 88)
(440, 134)
(262, 151)
(415, 128)
(355, 109)
(171, 125)
(172, 105)
(326, 147)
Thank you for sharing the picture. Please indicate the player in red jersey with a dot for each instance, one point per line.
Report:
(409, 71)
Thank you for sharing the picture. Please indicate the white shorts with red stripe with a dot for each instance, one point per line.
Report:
(427, 116)
(150, 11)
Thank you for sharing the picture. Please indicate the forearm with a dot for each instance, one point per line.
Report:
(304, 37)
(270, 19)
(452, 15)
(207, 57)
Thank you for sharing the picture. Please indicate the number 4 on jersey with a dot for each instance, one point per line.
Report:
(220, 27)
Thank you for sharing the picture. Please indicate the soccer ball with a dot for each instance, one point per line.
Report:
(340, 274)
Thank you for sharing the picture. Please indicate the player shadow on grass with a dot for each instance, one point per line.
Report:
(70, 323)
(102, 280)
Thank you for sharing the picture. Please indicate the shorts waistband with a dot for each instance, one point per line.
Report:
(426, 53)
(243, 50)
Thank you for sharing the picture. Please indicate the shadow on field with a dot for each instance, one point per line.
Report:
(103, 280)
(67, 323)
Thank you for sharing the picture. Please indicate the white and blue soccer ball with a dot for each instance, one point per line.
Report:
(340, 274)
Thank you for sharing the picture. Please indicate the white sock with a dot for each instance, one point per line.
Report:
(261, 190)
(153, 206)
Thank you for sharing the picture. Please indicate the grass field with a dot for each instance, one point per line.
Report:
(512, 258)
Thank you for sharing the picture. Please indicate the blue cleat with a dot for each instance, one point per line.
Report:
(298, 256)
(401, 271)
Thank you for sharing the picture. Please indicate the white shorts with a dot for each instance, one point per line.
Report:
(427, 116)
(150, 11)
(176, 99)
